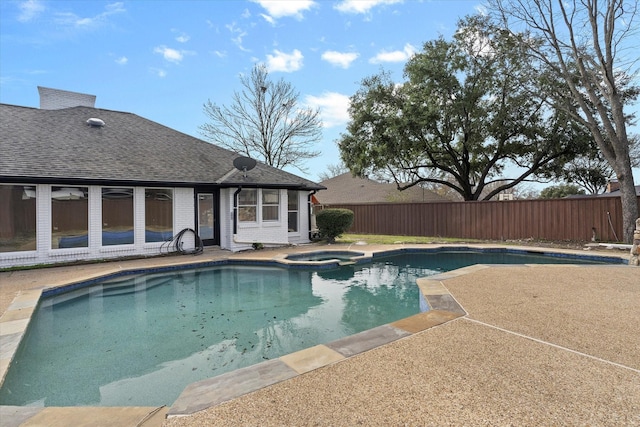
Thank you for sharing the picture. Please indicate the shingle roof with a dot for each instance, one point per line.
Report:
(614, 193)
(345, 189)
(38, 145)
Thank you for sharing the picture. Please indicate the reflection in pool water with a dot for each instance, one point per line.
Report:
(325, 256)
(140, 340)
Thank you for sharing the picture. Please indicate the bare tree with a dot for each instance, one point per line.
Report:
(265, 122)
(588, 46)
(332, 171)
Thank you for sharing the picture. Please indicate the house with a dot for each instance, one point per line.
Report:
(81, 183)
(347, 189)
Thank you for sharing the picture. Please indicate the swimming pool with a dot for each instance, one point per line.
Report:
(143, 338)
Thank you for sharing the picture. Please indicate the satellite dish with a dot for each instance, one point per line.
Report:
(244, 164)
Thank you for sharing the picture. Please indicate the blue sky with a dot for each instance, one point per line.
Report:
(163, 60)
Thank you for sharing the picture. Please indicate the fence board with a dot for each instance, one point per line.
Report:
(540, 219)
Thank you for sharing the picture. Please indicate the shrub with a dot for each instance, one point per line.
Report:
(333, 222)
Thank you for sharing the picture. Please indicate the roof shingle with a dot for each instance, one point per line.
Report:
(40, 144)
(346, 189)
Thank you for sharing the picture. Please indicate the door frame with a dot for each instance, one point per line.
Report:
(215, 191)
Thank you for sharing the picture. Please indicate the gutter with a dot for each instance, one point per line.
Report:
(235, 212)
(309, 208)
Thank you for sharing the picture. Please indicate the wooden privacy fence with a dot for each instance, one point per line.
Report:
(540, 219)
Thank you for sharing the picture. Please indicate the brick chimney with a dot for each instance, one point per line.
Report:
(613, 185)
(56, 99)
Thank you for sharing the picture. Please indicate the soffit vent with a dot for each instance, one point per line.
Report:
(96, 123)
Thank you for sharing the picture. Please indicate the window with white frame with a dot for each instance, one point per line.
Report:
(248, 205)
(292, 209)
(117, 216)
(158, 214)
(69, 217)
(270, 205)
(17, 218)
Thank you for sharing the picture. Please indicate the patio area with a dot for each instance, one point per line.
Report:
(539, 345)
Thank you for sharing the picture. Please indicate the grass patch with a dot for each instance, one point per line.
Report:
(388, 240)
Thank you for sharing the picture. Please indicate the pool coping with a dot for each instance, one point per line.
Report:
(210, 392)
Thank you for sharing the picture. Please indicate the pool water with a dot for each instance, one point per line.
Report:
(325, 256)
(140, 340)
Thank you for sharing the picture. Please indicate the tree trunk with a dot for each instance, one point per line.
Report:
(629, 202)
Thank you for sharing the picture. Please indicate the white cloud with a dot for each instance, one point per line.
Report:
(172, 55)
(73, 20)
(482, 10)
(340, 59)
(30, 9)
(239, 35)
(181, 37)
(362, 6)
(334, 108)
(158, 72)
(287, 62)
(122, 60)
(280, 8)
(394, 56)
(268, 18)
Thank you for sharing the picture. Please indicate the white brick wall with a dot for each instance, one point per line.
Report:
(183, 217)
(266, 232)
(184, 214)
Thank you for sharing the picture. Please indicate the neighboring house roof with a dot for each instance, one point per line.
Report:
(58, 145)
(346, 189)
(617, 192)
(614, 193)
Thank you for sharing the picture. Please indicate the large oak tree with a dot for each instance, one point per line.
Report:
(469, 111)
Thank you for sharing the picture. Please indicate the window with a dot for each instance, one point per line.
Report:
(248, 205)
(117, 216)
(270, 205)
(292, 208)
(17, 218)
(69, 217)
(158, 214)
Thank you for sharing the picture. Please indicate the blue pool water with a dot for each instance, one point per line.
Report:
(325, 256)
(139, 340)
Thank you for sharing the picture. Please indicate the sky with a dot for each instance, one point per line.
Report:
(163, 60)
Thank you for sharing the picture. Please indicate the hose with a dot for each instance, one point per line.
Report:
(611, 225)
(176, 243)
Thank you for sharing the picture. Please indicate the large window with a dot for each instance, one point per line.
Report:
(248, 205)
(270, 205)
(117, 216)
(17, 218)
(69, 217)
(158, 214)
(292, 209)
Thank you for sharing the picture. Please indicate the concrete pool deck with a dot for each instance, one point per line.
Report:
(539, 345)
